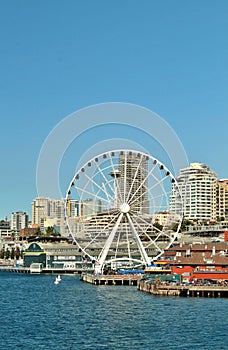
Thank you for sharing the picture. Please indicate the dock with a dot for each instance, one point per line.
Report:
(22, 269)
(212, 291)
(128, 279)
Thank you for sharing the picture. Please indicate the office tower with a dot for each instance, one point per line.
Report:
(133, 182)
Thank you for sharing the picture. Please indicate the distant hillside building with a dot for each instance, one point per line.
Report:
(74, 208)
(44, 208)
(19, 220)
(91, 207)
(222, 199)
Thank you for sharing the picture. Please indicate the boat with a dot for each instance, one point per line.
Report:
(58, 278)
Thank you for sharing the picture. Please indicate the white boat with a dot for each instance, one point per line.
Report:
(56, 281)
(58, 278)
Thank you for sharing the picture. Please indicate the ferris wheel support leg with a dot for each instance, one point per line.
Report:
(139, 243)
(99, 266)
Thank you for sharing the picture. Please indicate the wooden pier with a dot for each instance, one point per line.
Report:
(14, 269)
(128, 279)
(214, 291)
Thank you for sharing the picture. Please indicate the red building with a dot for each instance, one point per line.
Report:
(29, 231)
(201, 261)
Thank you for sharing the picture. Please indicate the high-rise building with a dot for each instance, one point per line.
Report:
(57, 208)
(19, 220)
(132, 181)
(44, 208)
(222, 199)
(197, 185)
(40, 209)
(74, 208)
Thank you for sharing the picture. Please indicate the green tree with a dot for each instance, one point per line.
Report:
(49, 231)
(7, 253)
(12, 253)
(186, 223)
(17, 253)
(2, 253)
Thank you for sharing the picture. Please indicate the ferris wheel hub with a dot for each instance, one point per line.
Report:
(125, 208)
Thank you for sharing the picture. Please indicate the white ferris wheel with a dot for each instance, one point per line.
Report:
(118, 209)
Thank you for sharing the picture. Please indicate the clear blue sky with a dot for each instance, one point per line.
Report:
(59, 56)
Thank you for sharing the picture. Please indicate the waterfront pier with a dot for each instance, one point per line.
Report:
(23, 269)
(128, 279)
(211, 291)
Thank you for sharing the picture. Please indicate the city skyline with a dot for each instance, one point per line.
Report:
(43, 206)
(168, 57)
(30, 211)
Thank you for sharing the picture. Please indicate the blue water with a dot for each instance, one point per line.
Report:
(37, 314)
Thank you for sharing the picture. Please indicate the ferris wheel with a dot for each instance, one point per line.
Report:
(123, 208)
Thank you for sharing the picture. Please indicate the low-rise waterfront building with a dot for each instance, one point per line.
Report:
(205, 260)
(55, 253)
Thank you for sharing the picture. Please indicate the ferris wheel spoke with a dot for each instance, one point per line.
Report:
(117, 246)
(158, 182)
(83, 191)
(125, 176)
(116, 182)
(138, 241)
(135, 176)
(109, 197)
(150, 225)
(142, 183)
(128, 243)
(151, 241)
(164, 234)
(110, 223)
(143, 229)
(100, 187)
(145, 191)
(104, 177)
(106, 247)
(162, 195)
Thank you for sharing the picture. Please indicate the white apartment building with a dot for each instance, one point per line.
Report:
(222, 199)
(19, 220)
(197, 185)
